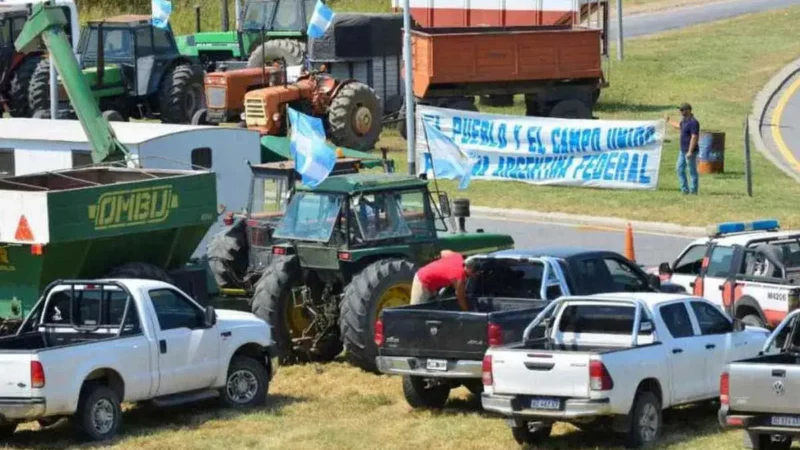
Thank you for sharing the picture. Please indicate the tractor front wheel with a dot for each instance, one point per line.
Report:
(181, 94)
(382, 284)
(355, 117)
(274, 301)
(290, 50)
(19, 105)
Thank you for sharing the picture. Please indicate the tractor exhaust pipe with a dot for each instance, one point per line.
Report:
(461, 212)
(225, 19)
(197, 18)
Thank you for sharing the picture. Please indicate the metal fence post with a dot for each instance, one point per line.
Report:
(748, 169)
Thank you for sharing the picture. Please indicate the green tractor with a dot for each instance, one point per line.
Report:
(134, 70)
(350, 248)
(266, 31)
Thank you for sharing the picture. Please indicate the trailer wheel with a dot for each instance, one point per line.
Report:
(425, 392)
(181, 94)
(382, 284)
(273, 302)
(39, 87)
(291, 50)
(99, 415)
(18, 102)
(228, 256)
(571, 109)
(355, 117)
(530, 433)
(142, 271)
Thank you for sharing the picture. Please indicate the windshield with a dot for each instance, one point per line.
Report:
(268, 197)
(310, 216)
(379, 216)
(289, 16)
(117, 44)
(257, 14)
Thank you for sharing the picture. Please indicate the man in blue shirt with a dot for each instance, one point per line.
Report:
(687, 157)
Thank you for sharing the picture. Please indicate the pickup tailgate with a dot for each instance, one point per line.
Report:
(15, 374)
(538, 372)
(766, 388)
(433, 330)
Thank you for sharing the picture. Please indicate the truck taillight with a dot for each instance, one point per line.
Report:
(599, 378)
(724, 388)
(379, 333)
(37, 374)
(278, 250)
(494, 334)
(486, 370)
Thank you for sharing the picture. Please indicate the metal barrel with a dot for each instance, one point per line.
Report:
(711, 158)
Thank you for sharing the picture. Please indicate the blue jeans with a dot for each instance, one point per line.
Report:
(691, 161)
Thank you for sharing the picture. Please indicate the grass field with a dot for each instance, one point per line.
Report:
(335, 406)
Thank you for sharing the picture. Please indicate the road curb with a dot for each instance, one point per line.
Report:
(587, 221)
(760, 106)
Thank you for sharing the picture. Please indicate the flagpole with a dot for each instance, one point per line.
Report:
(428, 144)
(410, 123)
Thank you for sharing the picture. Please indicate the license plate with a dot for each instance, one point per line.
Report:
(545, 403)
(785, 421)
(437, 364)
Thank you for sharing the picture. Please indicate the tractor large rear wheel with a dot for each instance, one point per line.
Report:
(181, 94)
(289, 49)
(18, 101)
(228, 256)
(39, 87)
(382, 284)
(140, 271)
(274, 302)
(355, 117)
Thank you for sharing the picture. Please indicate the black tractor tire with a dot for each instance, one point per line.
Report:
(291, 50)
(753, 320)
(360, 307)
(94, 397)
(39, 87)
(425, 393)
(200, 117)
(244, 369)
(228, 256)
(181, 94)
(571, 109)
(140, 271)
(273, 295)
(640, 434)
(525, 435)
(355, 116)
(18, 101)
(113, 116)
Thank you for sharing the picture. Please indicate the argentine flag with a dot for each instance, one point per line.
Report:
(446, 159)
(161, 11)
(313, 158)
(320, 21)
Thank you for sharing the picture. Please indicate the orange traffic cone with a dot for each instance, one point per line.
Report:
(629, 253)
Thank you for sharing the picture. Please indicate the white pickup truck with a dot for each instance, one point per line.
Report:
(613, 361)
(87, 346)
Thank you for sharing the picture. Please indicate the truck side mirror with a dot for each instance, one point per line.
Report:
(210, 317)
(444, 204)
(646, 327)
(664, 269)
(738, 326)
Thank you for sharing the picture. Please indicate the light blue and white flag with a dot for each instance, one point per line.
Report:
(313, 157)
(161, 11)
(448, 161)
(320, 20)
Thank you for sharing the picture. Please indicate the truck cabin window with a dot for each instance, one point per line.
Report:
(117, 44)
(775, 259)
(379, 216)
(507, 279)
(173, 310)
(779, 343)
(599, 319)
(691, 261)
(90, 308)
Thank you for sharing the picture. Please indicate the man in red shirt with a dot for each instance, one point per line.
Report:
(447, 271)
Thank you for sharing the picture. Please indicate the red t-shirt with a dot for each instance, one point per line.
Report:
(442, 272)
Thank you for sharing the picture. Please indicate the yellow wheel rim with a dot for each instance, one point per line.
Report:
(296, 319)
(397, 295)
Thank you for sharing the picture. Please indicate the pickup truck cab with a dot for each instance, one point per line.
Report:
(88, 346)
(613, 361)
(751, 269)
(762, 395)
(437, 347)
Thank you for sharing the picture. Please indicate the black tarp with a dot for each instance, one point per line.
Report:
(352, 36)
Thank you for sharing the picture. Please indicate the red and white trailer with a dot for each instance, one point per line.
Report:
(494, 13)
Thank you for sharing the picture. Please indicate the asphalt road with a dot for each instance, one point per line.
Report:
(650, 249)
(781, 127)
(644, 24)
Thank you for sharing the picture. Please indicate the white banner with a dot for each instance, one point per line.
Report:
(616, 154)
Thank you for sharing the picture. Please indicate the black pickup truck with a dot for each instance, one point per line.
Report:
(437, 347)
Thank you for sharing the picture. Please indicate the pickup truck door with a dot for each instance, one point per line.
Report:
(188, 357)
(719, 268)
(722, 345)
(688, 265)
(685, 352)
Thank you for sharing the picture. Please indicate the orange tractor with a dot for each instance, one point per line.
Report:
(351, 110)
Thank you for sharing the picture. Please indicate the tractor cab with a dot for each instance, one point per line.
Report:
(278, 15)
